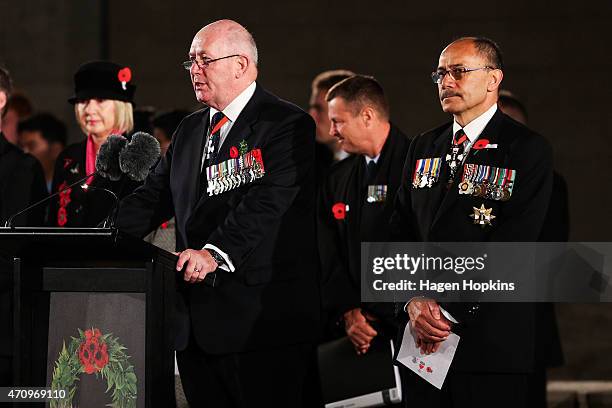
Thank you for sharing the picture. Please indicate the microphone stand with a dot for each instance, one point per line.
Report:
(9, 222)
(109, 221)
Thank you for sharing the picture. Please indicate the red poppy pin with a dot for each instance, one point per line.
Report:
(233, 152)
(339, 210)
(67, 162)
(483, 144)
(125, 76)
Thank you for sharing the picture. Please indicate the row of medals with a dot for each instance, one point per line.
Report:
(228, 182)
(486, 190)
(481, 189)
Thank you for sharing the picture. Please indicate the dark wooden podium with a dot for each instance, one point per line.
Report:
(41, 264)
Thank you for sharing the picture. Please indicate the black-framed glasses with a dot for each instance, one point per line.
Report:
(204, 62)
(456, 73)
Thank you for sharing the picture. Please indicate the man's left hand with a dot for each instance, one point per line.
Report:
(197, 264)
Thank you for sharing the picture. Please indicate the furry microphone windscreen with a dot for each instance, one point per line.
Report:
(139, 156)
(107, 162)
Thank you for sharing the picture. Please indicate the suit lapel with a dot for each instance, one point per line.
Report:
(195, 156)
(482, 156)
(243, 127)
(438, 191)
(355, 196)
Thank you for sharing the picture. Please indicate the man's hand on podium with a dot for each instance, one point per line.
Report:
(197, 264)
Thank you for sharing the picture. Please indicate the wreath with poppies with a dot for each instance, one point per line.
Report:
(100, 354)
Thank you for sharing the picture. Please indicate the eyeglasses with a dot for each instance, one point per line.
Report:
(204, 62)
(456, 73)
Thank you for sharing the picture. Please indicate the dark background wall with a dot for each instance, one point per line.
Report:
(557, 60)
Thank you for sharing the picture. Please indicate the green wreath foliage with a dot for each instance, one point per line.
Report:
(94, 353)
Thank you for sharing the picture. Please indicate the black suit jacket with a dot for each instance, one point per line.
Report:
(22, 183)
(340, 239)
(499, 337)
(266, 227)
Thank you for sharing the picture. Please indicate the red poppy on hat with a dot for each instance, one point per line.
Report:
(125, 76)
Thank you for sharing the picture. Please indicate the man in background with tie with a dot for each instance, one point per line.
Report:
(356, 202)
(493, 184)
(239, 178)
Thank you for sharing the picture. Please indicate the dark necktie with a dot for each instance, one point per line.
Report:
(456, 154)
(371, 172)
(211, 145)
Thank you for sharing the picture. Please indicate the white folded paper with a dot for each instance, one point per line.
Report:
(433, 367)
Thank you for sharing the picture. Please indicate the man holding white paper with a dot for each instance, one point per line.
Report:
(468, 200)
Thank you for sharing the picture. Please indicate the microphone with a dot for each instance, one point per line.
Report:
(117, 157)
(137, 158)
(107, 162)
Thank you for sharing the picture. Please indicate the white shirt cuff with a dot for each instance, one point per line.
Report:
(228, 265)
(444, 312)
(448, 315)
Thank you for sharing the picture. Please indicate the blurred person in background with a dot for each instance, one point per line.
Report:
(44, 137)
(164, 125)
(142, 119)
(18, 108)
(327, 149)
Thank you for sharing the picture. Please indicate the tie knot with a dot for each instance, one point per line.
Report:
(460, 137)
(216, 120)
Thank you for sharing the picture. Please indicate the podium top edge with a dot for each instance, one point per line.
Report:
(28, 231)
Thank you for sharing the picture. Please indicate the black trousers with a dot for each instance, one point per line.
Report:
(467, 390)
(280, 377)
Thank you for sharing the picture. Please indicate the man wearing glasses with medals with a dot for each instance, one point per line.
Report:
(239, 178)
(488, 179)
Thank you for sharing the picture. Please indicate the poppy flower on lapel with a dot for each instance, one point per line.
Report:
(233, 152)
(339, 210)
(124, 76)
(67, 162)
(481, 144)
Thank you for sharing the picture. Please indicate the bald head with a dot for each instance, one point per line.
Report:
(486, 48)
(226, 57)
(234, 37)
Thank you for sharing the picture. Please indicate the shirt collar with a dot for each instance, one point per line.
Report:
(232, 111)
(368, 159)
(476, 126)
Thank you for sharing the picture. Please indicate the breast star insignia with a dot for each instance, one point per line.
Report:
(482, 216)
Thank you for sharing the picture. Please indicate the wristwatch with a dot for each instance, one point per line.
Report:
(216, 256)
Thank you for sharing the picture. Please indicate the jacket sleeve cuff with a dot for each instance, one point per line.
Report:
(228, 265)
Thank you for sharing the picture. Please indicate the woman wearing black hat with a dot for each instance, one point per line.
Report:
(103, 106)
